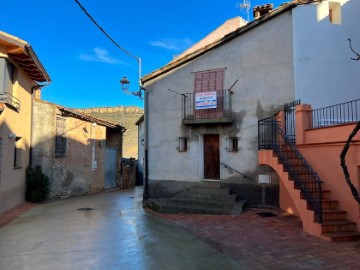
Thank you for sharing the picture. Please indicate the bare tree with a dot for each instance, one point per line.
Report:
(347, 144)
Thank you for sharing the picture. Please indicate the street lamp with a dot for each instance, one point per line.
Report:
(125, 83)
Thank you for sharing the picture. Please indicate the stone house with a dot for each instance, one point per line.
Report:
(207, 102)
(80, 154)
(21, 72)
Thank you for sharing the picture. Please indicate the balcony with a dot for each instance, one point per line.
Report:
(207, 108)
(9, 100)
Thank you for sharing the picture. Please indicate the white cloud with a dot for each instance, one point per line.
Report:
(99, 55)
(172, 44)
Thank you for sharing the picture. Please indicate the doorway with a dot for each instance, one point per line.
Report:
(211, 156)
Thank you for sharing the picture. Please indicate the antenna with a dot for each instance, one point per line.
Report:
(245, 7)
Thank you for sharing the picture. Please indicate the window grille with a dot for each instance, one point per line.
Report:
(182, 144)
(233, 144)
(60, 138)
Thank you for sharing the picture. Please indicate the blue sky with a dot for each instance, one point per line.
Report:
(85, 67)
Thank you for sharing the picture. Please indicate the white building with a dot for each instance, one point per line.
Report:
(283, 55)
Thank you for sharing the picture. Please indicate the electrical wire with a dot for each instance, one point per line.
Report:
(105, 33)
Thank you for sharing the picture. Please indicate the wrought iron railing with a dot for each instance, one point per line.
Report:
(10, 100)
(272, 137)
(348, 112)
(220, 107)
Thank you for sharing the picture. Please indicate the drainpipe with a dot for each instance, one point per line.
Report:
(146, 147)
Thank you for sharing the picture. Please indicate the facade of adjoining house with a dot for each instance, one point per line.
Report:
(141, 157)
(204, 106)
(20, 73)
(80, 154)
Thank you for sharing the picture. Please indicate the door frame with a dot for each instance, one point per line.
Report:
(204, 160)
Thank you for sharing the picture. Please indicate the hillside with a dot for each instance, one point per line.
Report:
(121, 115)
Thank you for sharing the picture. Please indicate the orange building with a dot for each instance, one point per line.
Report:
(303, 147)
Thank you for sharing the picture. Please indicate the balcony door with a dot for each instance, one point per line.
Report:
(210, 81)
(211, 156)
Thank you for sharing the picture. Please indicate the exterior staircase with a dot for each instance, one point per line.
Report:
(205, 198)
(319, 211)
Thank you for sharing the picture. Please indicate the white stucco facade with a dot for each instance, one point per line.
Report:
(261, 60)
(286, 56)
(324, 73)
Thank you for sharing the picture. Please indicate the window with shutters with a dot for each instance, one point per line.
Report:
(60, 138)
(8, 77)
(210, 83)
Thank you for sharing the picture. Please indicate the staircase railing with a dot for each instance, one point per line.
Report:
(272, 137)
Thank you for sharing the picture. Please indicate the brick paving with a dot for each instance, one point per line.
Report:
(268, 242)
(8, 216)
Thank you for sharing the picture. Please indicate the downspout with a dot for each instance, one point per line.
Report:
(146, 149)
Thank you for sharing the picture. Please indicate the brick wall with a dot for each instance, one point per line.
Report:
(72, 174)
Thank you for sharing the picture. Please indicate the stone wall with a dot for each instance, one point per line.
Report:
(73, 174)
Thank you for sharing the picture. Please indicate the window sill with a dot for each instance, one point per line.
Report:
(17, 168)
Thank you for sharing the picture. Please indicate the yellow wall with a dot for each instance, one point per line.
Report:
(12, 182)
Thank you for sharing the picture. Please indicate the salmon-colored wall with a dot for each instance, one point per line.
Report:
(322, 147)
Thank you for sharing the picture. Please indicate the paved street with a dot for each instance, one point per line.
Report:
(116, 234)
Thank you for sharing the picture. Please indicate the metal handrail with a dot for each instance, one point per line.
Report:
(338, 114)
(10, 100)
(231, 168)
(277, 141)
(220, 110)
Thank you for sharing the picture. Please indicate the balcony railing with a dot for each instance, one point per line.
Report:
(207, 108)
(344, 113)
(10, 100)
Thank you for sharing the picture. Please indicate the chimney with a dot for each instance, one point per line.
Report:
(262, 10)
(37, 93)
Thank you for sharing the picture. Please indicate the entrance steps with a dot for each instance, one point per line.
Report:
(335, 226)
(205, 198)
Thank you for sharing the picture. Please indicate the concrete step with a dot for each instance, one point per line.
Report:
(341, 236)
(188, 202)
(325, 194)
(326, 204)
(338, 226)
(162, 206)
(333, 214)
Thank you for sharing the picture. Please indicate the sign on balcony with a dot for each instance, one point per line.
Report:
(205, 100)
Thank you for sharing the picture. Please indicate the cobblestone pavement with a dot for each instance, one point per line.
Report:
(268, 242)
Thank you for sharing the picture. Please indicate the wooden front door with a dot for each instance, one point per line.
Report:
(211, 156)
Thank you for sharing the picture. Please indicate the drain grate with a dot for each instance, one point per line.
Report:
(266, 214)
(84, 209)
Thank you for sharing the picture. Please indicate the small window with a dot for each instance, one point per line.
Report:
(233, 144)
(334, 12)
(17, 153)
(60, 138)
(182, 144)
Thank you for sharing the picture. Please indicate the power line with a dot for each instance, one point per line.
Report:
(106, 34)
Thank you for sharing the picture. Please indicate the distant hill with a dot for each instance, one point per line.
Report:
(124, 116)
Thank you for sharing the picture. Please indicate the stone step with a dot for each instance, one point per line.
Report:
(341, 236)
(202, 193)
(162, 206)
(187, 202)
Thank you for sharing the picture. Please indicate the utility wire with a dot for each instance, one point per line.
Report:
(106, 34)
